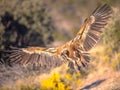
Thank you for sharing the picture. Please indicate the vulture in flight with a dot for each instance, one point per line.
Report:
(75, 51)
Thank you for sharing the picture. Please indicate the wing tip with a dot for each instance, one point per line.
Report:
(103, 8)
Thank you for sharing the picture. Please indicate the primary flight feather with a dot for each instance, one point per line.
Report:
(74, 51)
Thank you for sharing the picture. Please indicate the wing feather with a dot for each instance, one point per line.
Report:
(92, 27)
(33, 55)
(88, 36)
(74, 51)
(101, 15)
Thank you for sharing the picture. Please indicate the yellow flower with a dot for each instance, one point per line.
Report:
(54, 83)
(51, 81)
(61, 86)
(56, 77)
(48, 83)
(107, 58)
(109, 51)
(68, 76)
(79, 81)
(116, 62)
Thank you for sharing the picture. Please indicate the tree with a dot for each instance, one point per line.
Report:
(34, 15)
(25, 22)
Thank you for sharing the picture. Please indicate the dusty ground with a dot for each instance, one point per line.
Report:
(107, 80)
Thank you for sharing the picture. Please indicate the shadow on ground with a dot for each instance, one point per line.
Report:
(94, 84)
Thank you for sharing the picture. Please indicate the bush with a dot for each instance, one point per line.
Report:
(116, 62)
(24, 23)
(112, 33)
(22, 18)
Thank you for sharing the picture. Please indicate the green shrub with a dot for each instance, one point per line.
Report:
(34, 15)
(116, 62)
(112, 33)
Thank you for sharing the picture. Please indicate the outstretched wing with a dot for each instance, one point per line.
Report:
(73, 51)
(87, 37)
(92, 28)
(37, 56)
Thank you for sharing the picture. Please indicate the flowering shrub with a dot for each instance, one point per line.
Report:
(54, 82)
(116, 62)
(57, 82)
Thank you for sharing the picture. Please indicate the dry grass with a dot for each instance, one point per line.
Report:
(102, 74)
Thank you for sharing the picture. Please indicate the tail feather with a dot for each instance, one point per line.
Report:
(78, 65)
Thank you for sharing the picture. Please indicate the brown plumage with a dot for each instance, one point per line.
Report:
(74, 51)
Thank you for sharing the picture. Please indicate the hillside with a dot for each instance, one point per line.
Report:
(59, 22)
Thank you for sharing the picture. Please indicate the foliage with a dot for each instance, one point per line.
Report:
(32, 20)
(112, 33)
(116, 62)
(53, 83)
(112, 41)
(58, 82)
(34, 16)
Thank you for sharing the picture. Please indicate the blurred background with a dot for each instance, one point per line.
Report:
(51, 23)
